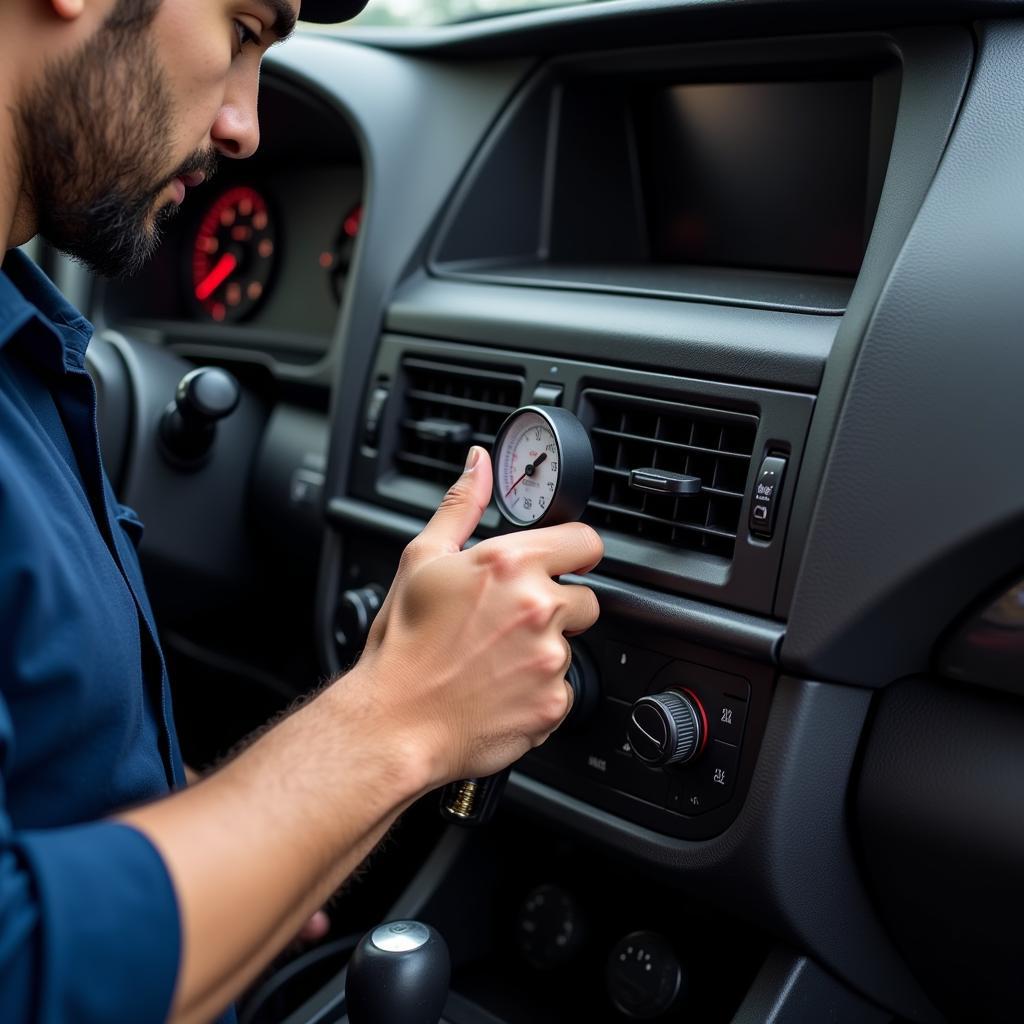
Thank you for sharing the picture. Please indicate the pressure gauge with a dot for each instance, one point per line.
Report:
(543, 467)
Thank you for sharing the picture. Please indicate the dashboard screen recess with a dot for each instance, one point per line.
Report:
(767, 175)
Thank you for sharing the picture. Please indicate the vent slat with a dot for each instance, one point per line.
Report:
(429, 463)
(457, 402)
(636, 432)
(436, 391)
(670, 444)
(646, 517)
(414, 363)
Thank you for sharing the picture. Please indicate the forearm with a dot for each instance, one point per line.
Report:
(257, 847)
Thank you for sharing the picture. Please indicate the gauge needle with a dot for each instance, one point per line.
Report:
(216, 277)
(530, 470)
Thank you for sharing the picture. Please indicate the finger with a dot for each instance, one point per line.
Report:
(579, 609)
(459, 512)
(570, 697)
(571, 547)
(315, 928)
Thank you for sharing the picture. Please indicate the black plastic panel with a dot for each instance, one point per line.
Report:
(727, 343)
(936, 66)
(894, 553)
(791, 989)
(941, 821)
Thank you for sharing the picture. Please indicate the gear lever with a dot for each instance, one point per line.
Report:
(188, 427)
(398, 974)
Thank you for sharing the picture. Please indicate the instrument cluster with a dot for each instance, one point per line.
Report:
(233, 252)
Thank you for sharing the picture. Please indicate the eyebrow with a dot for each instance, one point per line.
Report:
(284, 18)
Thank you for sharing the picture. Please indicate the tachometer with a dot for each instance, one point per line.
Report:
(233, 255)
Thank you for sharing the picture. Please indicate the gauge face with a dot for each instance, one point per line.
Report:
(543, 467)
(527, 468)
(233, 256)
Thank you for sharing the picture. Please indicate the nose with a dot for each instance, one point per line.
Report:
(236, 130)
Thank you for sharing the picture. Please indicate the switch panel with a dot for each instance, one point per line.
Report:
(685, 796)
(765, 503)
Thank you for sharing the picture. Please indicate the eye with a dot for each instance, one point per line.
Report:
(245, 35)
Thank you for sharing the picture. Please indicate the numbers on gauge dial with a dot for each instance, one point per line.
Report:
(528, 468)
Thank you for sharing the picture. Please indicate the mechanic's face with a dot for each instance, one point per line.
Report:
(115, 131)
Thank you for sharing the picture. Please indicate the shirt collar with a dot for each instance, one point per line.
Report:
(27, 293)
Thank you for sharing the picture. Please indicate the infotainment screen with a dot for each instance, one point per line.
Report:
(769, 175)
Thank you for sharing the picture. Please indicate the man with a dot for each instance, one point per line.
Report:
(120, 901)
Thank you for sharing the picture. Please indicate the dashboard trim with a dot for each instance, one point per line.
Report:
(720, 628)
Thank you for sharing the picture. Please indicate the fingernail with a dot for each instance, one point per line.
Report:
(472, 459)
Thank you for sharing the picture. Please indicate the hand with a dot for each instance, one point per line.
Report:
(468, 655)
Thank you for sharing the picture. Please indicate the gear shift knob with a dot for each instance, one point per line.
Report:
(398, 974)
(204, 396)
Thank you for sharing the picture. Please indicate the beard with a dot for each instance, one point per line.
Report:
(95, 131)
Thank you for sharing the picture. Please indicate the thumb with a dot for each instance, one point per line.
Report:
(459, 513)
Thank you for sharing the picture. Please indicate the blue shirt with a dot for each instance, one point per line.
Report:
(89, 924)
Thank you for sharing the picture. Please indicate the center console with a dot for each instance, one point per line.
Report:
(679, 246)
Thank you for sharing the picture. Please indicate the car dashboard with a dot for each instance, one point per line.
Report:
(772, 247)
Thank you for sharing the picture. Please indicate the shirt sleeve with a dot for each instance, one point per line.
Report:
(89, 926)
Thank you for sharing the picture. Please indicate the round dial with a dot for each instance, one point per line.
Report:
(549, 931)
(667, 728)
(543, 467)
(233, 256)
(645, 977)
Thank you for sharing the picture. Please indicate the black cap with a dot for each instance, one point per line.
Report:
(330, 12)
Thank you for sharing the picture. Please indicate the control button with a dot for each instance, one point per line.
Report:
(547, 394)
(306, 487)
(685, 795)
(716, 773)
(374, 411)
(597, 762)
(585, 683)
(707, 784)
(629, 670)
(357, 608)
(765, 501)
(666, 728)
(726, 716)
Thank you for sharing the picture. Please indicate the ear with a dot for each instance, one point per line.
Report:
(69, 10)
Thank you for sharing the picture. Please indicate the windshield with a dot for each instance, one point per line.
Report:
(441, 12)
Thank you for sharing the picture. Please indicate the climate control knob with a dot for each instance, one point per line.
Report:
(667, 728)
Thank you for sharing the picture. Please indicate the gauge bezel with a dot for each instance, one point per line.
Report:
(575, 479)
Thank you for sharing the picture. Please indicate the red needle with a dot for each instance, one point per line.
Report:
(529, 472)
(216, 277)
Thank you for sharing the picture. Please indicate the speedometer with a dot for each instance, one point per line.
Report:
(234, 253)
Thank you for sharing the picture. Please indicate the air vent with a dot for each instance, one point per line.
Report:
(446, 408)
(630, 433)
